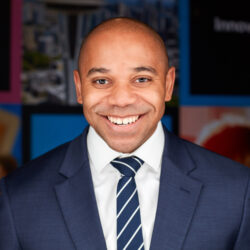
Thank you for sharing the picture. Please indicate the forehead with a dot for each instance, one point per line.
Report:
(122, 45)
(125, 27)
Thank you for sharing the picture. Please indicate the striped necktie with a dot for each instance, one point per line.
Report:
(129, 228)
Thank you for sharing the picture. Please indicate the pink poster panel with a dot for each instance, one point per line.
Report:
(12, 95)
(224, 130)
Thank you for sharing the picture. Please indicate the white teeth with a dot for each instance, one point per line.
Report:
(119, 121)
(126, 121)
(123, 121)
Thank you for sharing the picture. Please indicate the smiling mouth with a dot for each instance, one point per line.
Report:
(123, 121)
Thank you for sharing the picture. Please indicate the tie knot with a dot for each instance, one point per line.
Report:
(127, 166)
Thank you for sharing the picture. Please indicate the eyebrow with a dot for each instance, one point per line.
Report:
(145, 68)
(136, 69)
(97, 70)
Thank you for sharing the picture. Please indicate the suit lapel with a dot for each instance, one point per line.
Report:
(178, 197)
(77, 200)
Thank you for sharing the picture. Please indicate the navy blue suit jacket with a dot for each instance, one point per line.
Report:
(49, 204)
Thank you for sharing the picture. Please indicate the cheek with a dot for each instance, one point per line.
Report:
(155, 98)
(90, 97)
(93, 100)
(88, 102)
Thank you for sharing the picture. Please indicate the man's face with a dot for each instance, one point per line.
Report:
(123, 85)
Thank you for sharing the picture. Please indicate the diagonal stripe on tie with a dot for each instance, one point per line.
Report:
(127, 222)
(126, 182)
(126, 203)
(126, 165)
(129, 228)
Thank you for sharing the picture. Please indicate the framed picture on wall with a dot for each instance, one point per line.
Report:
(224, 130)
(214, 49)
(11, 51)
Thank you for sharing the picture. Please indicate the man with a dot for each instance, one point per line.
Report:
(79, 196)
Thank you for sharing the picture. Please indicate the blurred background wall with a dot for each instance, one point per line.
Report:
(207, 42)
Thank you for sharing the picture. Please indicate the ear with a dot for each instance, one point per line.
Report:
(78, 86)
(170, 78)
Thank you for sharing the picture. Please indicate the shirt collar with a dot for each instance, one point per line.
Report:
(100, 154)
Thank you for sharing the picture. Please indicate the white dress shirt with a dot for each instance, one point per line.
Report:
(105, 179)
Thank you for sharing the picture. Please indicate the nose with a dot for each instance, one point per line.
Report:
(122, 95)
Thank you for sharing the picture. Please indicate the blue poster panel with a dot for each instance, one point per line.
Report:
(46, 127)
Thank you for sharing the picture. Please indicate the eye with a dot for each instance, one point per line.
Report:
(101, 81)
(142, 79)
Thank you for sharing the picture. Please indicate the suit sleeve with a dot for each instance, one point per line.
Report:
(8, 237)
(243, 238)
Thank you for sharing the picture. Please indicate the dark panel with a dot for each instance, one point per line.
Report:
(220, 39)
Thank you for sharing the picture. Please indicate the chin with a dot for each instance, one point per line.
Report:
(123, 148)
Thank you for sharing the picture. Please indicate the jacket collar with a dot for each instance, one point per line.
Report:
(76, 155)
(76, 198)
